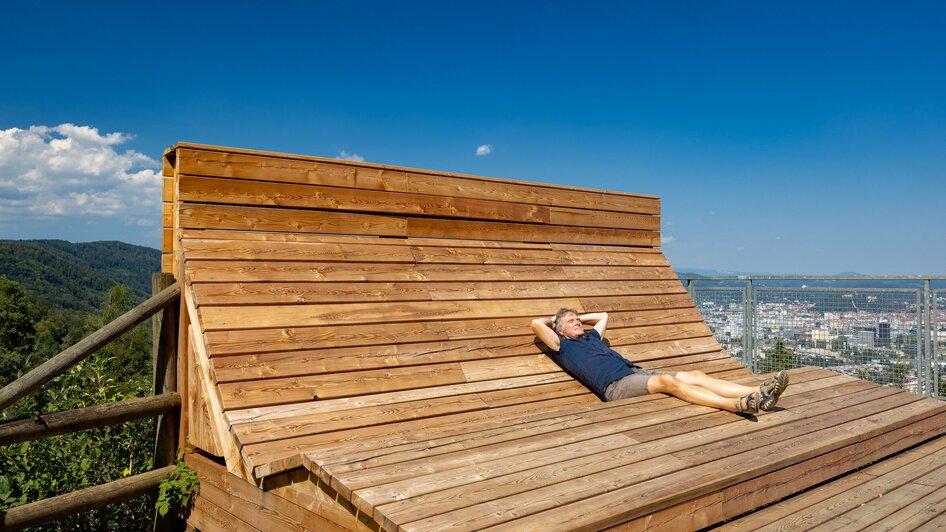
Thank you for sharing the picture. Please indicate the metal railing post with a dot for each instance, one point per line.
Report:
(749, 323)
(926, 328)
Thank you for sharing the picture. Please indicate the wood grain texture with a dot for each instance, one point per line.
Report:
(364, 330)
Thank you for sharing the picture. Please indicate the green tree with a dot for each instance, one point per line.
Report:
(17, 315)
(779, 357)
(40, 469)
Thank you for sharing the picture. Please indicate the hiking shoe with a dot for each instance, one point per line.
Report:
(772, 389)
(750, 404)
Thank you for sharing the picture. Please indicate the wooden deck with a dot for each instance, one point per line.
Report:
(904, 492)
(358, 344)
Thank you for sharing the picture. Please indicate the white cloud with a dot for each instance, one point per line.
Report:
(345, 156)
(666, 239)
(484, 150)
(71, 170)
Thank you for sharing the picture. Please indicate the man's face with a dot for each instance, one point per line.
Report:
(571, 326)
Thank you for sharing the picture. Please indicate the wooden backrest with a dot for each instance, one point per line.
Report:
(337, 284)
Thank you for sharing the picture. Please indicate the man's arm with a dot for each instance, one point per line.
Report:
(598, 319)
(542, 327)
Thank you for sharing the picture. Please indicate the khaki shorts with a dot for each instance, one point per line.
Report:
(634, 385)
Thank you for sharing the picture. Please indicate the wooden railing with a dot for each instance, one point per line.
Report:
(165, 405)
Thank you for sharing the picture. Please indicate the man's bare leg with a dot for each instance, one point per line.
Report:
(717, 386)
(698, 395)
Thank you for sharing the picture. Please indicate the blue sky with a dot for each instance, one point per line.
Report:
(792, 137)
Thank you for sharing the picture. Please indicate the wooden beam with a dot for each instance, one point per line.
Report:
(91, 417)
(53, 508)
(164, 335)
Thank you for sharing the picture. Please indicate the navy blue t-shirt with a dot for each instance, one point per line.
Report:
(592, 362)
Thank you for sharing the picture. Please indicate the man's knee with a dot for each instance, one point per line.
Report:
(692, 376)
(663, 384)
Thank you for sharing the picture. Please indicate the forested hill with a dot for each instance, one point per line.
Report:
(77, 276)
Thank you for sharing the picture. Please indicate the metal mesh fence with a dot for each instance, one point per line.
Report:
(866, 333)
(724, 311)
(879, 334)
(938, 357)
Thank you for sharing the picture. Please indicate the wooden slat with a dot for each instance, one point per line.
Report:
(167, 190)
(615, 421)
(435, 228)
(201, 216)
(284, 168)
(546, 431)
(247, 394)
(653, 479)
(524, 384)
(321, 292)
(310, 170)
(293, 338)
(267, 316)
(818, 506)
(392, 251)
(331, 360)
(525, 193)
(272, 457)
(297, 271)
(593, 218)
(238, 192)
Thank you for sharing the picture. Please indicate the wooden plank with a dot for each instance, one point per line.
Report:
(251, 271)
(208, 516)
(595, 218)
(313, 362)
(800, 512)
(331, 336)
(434, 251)
(268, 316)
(167, 240)
(284, 168)
(272, 457)
(591, 510)
(304, 425)
(524, 193)
(521, 385)
(167, 189)
(211, 234)
(307, 251)
(603, 422)
(201, 216)
(474, 230)
(241, 271)
(502, 368)
(322, 292)
(302, 490)
(253, 505)
(229, 191)
(248, 394)
(623, 339)
(451, 486)
(199, 160)
(734, 500)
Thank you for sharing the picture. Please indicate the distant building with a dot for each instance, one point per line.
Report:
(864, 337)
(883, 334)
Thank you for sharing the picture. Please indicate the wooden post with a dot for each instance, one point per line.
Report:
(164, 357)
(164, 335)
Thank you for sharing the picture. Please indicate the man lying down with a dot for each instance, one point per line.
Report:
(612, 377)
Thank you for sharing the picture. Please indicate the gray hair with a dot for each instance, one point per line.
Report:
(557, 323)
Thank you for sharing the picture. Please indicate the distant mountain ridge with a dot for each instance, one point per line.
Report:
(77, 275)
